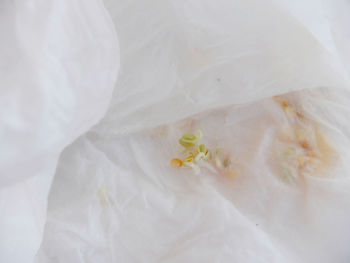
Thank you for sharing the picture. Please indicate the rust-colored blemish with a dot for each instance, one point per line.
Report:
(319, 158)
(288, 109)
(284, 104)
(318, 154)
(305, 145)
(299, 115)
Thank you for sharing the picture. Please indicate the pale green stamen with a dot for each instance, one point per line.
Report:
(189, 140)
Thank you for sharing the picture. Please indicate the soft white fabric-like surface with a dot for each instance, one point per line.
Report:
(116, 199)
(191, 64)
(212, 65)
(183, 57)
(59, 61)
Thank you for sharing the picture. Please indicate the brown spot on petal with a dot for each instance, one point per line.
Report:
(305, 145)
(300, 116)
(284, 104)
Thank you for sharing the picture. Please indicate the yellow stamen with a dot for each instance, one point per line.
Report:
(202, 148)
(199, 156)
(176, 163)
(189, 159)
